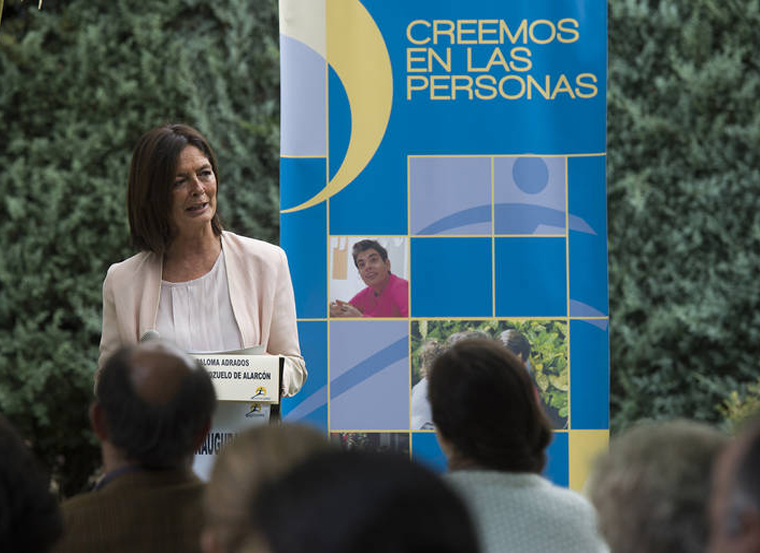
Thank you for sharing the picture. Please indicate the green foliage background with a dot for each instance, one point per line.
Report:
(684, 208)
(82, 79)
(80, 82)
(548, 358)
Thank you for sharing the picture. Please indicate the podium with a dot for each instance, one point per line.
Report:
(248, 389)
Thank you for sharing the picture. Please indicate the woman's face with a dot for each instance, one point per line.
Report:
(193, 192)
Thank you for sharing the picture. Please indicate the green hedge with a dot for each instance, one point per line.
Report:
(684, 205)
(81, 80)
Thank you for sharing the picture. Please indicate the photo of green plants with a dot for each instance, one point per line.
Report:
(547, 362)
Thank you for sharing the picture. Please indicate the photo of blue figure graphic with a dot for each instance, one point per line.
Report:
(529, 195)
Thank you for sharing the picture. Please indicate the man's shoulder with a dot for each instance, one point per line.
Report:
(134, 513)
(138, 484)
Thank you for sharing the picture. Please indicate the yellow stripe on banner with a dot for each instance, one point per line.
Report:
(583, 448)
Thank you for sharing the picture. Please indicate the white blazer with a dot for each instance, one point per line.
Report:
(260, 290)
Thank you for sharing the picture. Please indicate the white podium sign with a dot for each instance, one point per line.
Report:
(239, 377)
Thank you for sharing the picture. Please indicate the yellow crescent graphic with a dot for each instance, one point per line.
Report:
(358, 54)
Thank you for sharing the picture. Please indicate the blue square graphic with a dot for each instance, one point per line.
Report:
(303, 236)
(557, 468)
(531, 277)
(305, 177)
(588, 237)
(589, 375)
(309, 406)
(451, 277)
(426, 451)
(369, 375)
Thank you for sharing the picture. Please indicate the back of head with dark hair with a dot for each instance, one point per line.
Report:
(361, 502)
(30, 521)
(364, 245)
(159, 431)
(483, 404)
(149, 185)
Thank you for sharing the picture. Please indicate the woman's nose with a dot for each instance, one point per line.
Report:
(196, 187)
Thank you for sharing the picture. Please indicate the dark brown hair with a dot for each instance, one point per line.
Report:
(483, 402)
(364, 245)
(149, 186)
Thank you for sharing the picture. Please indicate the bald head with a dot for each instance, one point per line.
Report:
(157, 403)
(157, 371)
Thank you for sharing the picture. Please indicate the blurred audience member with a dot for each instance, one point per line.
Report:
(152, 410)
(651, 488)
(254, 457)
(495, 436)
(359, 502)
(30, 521)
(735, 501)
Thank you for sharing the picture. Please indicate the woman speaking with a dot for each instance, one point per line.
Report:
(197, 285)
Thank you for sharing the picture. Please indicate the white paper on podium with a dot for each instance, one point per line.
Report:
(243, 375)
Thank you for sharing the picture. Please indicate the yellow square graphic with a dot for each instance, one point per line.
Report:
(583, 448)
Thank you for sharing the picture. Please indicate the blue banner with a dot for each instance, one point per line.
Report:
(464, 143)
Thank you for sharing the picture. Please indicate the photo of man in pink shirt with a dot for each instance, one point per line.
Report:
(386, 295)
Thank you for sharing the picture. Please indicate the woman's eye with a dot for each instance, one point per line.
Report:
(178, 183)
(206, 174)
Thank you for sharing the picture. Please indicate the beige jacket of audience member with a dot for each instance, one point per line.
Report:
(260, 290)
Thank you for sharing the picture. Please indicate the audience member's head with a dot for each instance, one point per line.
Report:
(735, 501)
(485, 410)
(254, 457)
(517, 343)
(30, 521)
(357, 502)
(153, 406)
(651, 488)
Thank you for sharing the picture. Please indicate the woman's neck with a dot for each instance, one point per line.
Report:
(188, 258)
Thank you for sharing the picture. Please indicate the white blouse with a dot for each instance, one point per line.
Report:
(197, 315)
